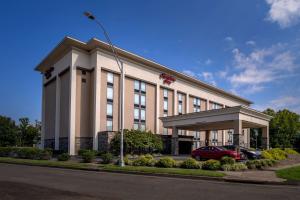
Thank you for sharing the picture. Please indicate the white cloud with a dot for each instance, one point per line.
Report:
(284, 102)
(208, 61)
(284, 12)
(261, 66)
(228, 38)
(251, 43)
(208, 77)
(189, 73)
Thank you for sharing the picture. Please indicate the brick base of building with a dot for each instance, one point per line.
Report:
(64, 144)
(104, 139)
(49, 143)
(83, 143)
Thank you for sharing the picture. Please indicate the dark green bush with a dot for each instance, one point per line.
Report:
(260, 164)
(127, 161)
(26, 153)
(227, 160)
(5, 151)
(88, 156)
(83, 151)
(211, 165)
(63, 157)
(137, 142)
(165, 162)
(107, 158)
(190, 163)
(146, 160)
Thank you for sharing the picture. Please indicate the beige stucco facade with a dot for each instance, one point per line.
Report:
(82, 69)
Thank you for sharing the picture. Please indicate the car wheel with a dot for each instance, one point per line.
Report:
(198, 158)
(244, 156)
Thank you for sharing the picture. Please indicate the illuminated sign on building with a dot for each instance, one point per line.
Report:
(167, 79)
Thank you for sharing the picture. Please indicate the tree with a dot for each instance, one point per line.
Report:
(28, 134)
(284, 128)
(8, 132)
(137, 141)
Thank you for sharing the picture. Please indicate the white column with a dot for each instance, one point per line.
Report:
(175, 102)
(72, 116)
(43, 116)
(157, 107)
(237, 140)
(223, 133)
(57, 113)
(97, 104)
(265, 137)
(175, 144)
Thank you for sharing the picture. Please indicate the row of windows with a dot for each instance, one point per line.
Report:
(109, 104)
(139, 105)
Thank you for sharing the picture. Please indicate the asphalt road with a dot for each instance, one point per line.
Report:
(26, 182)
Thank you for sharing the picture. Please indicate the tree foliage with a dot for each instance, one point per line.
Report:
(284, 128)
(137, 141)
(23, 134)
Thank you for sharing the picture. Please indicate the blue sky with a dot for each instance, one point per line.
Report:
(251, 48)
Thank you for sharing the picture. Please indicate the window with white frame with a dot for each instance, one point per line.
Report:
(197, 104)
(179, 103)
(109, 101)
(214, 138)
(215, 106)
(230, 137)
(139, 105)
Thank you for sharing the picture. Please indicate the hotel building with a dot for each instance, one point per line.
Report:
(80, 103)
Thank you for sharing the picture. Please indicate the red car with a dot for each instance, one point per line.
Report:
(216, 153)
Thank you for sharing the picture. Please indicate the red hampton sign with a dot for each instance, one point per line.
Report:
(167, 79)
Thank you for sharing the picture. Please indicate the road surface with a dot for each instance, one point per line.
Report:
(42, 183)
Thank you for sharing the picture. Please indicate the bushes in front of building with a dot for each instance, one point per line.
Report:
(227, 160)
(137, 142)
(290, 151)
(234, 167)
(274, 154)
(166, 162)
(63, 157)
(260, 164)
(144, 160)
(26, 153)
(88, 156)
(106, 158)
(211, 165)
(190, 163)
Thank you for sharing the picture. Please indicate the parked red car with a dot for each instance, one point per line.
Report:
(212, 152)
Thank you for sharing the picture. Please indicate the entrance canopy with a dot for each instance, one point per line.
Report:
(236, 118)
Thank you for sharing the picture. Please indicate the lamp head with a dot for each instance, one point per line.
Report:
(89, 15)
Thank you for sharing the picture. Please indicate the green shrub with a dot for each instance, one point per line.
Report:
(290, 151)
(165, 162)
(144, 161)
(190, 163)
(266, 155)
(250, 164)
(107, 158)
(226, 167)
(43, 155)
(83, 151)
(276, 154)
(5, 151)
(239, 167)
(260, 164)
(227, 160)
(211, 165)
(127, 161)
(63, 157)
(88, 156)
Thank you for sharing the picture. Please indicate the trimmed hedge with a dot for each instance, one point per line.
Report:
(165, 162)
(88, 156)
(211, 165)
(275, 154)
(26, 153)
(63, 157)
(234, 167)
(146, 160)
(260, 164)
(106, 158)
(190, 163)
(227, 160)
(290, 151)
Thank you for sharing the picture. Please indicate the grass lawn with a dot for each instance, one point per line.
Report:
(292, 173)
(153, 170)
(47, 163)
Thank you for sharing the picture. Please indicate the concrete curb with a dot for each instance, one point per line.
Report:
(219, 179)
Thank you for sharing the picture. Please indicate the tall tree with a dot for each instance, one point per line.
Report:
(8, 131)
(28, 134)
(284, 127)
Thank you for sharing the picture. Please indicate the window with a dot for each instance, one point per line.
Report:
(136, 114)
(179, 97)
(197, 104)
(110, 78)
(230, 137)
(165, 131)
(109, 109)
(214, 138)
(137, 85)
(109, 125)
(143, 100)
(215, 106)
(165, 93)
(136, 99)
(139, 105)
(143, 87)
(166, 105)
(180, 108)
(109, 93)
(143, 114)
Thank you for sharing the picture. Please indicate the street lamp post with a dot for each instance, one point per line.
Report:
(120, 65)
